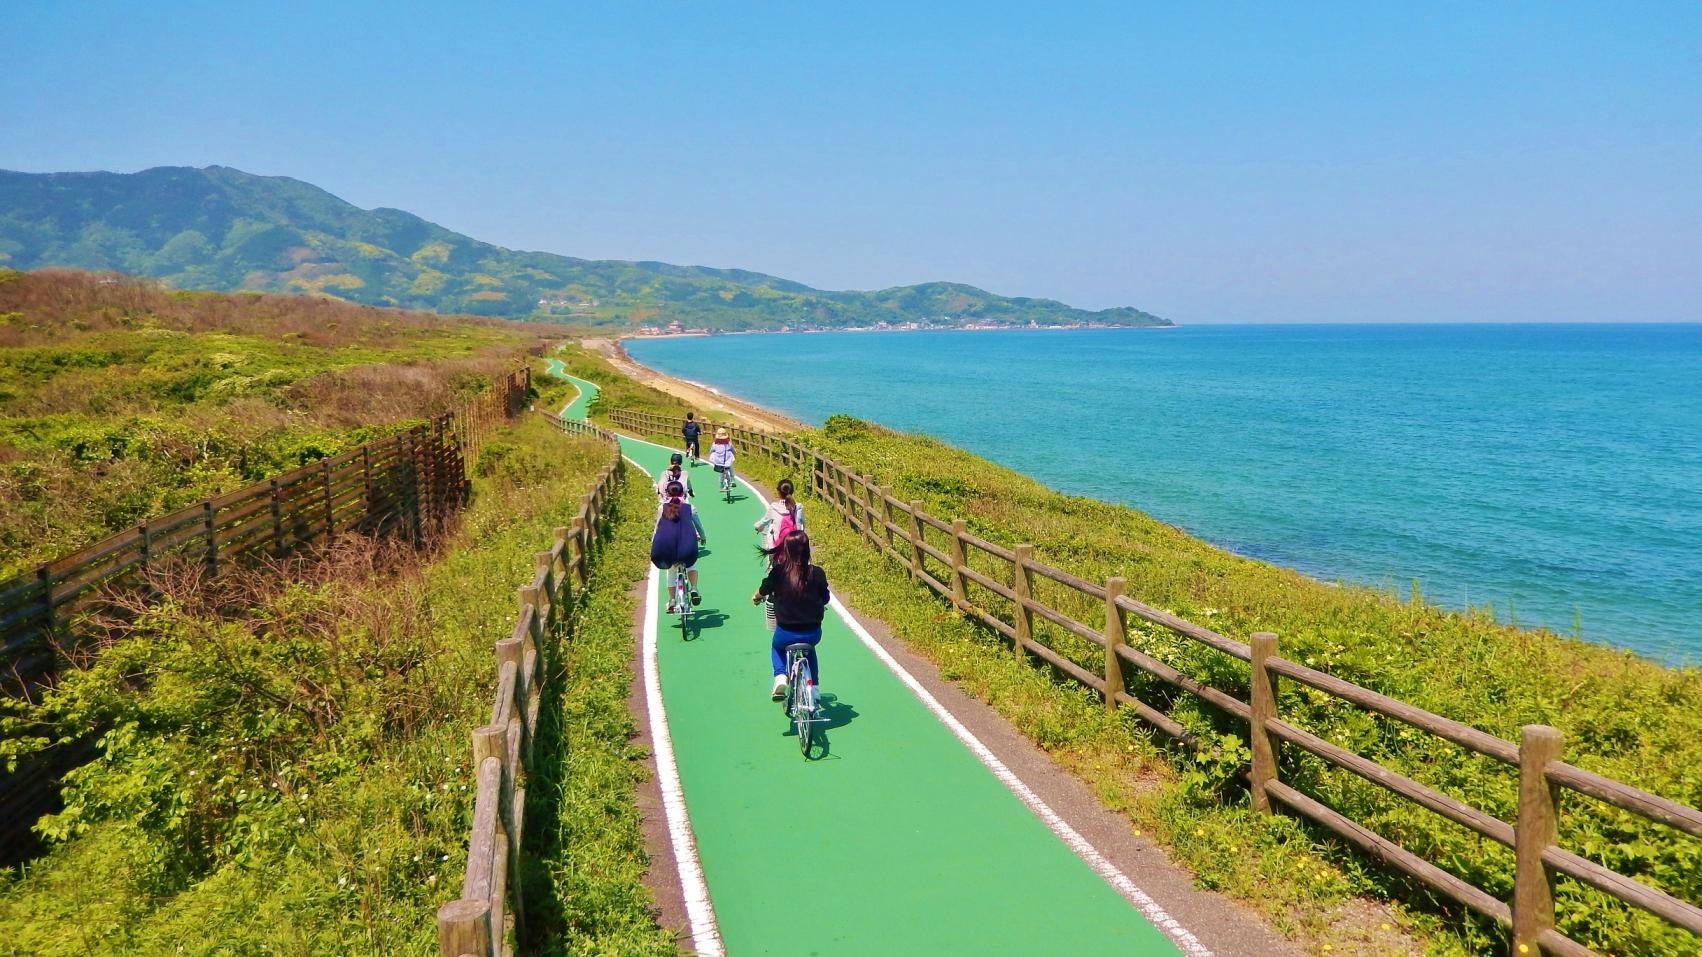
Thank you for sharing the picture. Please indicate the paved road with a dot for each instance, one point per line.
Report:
(897, 840)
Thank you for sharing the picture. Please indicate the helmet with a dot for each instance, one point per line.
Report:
(676, 459)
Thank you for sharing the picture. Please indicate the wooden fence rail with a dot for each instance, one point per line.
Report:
(485, 921)
(900, 530)
(406, 485)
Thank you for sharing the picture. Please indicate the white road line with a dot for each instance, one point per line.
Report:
(1083, 848)
(700, 911)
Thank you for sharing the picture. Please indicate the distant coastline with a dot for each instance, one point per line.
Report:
(977, 327)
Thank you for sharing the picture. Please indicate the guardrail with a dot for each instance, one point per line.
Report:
(1532, 837)
(484, 920)
(402, 485)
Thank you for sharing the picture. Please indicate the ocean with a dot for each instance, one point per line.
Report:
(1551, 473)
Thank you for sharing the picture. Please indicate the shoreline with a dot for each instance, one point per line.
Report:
(697, 393)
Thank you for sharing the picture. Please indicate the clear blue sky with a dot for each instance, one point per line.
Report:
(1247, 163)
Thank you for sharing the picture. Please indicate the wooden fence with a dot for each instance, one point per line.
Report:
(974, 575)
(406, 484)
(485, 919)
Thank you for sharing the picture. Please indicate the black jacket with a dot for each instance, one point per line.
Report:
(795, 611)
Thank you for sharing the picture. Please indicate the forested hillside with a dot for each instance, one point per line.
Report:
(221, 228)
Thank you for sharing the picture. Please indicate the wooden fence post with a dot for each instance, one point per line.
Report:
(464, 927)
(45, 575)
(277, 523)
(577, 537)
(491, 741)
(959, 582)
(544, 561)
(1022, 583)
(1116, 636)
(1262, 694)
(886, 515)
(915, 541)
(564, 582)
(1536, 830)
(514, 650)
(870, 515)
(210, 521)
(330, 519)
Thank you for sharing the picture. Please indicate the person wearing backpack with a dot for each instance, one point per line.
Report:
(782, 516)
(798, 591)
(676, 539)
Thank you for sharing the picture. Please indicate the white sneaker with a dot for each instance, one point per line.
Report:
(779, 687)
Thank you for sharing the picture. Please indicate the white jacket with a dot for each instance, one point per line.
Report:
(721, 453)
(769, 523)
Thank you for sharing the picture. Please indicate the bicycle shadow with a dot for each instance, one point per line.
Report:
(706, 619)
(832, 713)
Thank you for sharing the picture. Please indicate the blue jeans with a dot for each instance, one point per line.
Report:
(782, 638)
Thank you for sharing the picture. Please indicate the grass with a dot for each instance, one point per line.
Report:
(585, 890)
(286, 767)
(119, 400)
(1623, 716)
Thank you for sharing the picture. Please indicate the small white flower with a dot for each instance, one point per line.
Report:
(342, 882)
(432, 879)
(301, 820)
(416, 858)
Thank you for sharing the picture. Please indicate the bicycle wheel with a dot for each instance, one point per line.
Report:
(803, 715)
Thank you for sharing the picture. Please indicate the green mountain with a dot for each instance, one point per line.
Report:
(220, 228)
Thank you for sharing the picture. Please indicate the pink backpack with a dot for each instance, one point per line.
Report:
(787, 525)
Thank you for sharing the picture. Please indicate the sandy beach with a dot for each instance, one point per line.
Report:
(699, 395)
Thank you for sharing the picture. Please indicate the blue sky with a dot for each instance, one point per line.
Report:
(1221, 163)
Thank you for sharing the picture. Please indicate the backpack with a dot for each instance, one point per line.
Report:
(788, 524)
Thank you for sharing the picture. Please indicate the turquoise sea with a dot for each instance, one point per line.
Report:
(1550, 472)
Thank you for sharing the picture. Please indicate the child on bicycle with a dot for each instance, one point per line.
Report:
(781, 517)
(721, 457)
(676, 540)
(800, 594)
(672, 476)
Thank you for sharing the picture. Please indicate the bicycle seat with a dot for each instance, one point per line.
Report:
(800, 646)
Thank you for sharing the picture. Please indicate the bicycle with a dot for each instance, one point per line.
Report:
(679, 597)
(727, 483)
(801, 704)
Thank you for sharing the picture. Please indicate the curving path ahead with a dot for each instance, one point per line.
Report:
(906, 837)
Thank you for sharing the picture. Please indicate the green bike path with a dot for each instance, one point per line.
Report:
(895, 839)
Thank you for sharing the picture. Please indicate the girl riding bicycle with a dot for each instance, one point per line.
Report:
(676, 539)
(799, 591)
(781, 517)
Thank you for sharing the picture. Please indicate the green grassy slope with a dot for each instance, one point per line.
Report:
(220, 228)
(293, 774)
(120, 401)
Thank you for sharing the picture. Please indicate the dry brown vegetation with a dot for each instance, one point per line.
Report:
(52, 302)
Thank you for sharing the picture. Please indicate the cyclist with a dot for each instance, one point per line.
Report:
(721, 457)
(690, 430)
(673, 476)
(676, 540)
(675, 472)
(773, 524)
(800, 594)
(781, 517)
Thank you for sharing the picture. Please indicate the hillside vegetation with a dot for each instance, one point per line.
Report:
(284, 763)
(119, 400)
(220, 228)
